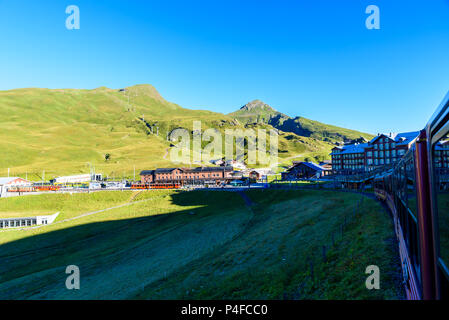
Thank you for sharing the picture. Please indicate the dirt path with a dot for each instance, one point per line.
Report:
(166, 153)
(245, 197)
(285, 159)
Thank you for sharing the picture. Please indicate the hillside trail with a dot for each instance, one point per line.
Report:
(248, 201)
(288, 158)
(135, 195)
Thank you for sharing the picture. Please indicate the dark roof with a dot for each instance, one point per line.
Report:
(197, 169)
(164, 170)
(210, 169)
(351, 148)
(308, 164)
(399, 138)
(146, 172)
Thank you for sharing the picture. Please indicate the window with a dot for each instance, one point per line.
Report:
(375, 146)
(375, 154)
(369, 153)
(381, 146)
(393, 153)
(440, 174)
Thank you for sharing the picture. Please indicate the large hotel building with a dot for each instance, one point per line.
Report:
(384, 149)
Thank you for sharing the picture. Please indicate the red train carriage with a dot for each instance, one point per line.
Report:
(47, 188)
(416, 191)
(165, 186)
(145, 186)
(140, 186)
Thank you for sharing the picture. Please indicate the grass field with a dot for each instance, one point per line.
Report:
(201, 244)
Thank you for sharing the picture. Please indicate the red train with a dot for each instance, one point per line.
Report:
(47, 188)
(34, 188)
(416, 191)
(143, 186)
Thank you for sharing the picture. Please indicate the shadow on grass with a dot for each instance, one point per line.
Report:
(98, 245)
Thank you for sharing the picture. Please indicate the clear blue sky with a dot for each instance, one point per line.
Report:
(309, 58)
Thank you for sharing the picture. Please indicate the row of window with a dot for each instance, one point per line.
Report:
(17, 223)
(348, 156)
(382, 146)
(188, 177)
(387, 153)
(381, 161)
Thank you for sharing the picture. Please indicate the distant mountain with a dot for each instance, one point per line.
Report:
(257, 112)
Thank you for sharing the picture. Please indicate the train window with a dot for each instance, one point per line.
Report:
(402, 183)
(410, 186)
(441, 185)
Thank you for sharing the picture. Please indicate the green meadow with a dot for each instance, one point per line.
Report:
(56, 132)
(200, 245)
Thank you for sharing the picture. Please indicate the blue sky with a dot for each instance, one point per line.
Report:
(308, 58)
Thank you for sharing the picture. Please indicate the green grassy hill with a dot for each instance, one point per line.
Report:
(67, 131)
(200, 245)
(259, 112)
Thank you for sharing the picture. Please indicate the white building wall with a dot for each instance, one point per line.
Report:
(22, 222)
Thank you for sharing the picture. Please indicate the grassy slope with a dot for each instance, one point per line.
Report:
(194, 245)
(62, 131)
(332, 133)
(260, 112)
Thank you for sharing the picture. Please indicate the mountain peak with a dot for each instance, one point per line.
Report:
(256, 105)
(145, 90)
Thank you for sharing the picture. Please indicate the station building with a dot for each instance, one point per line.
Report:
(382, 150)
(304, 170)
(187, 175)
(7, 183)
